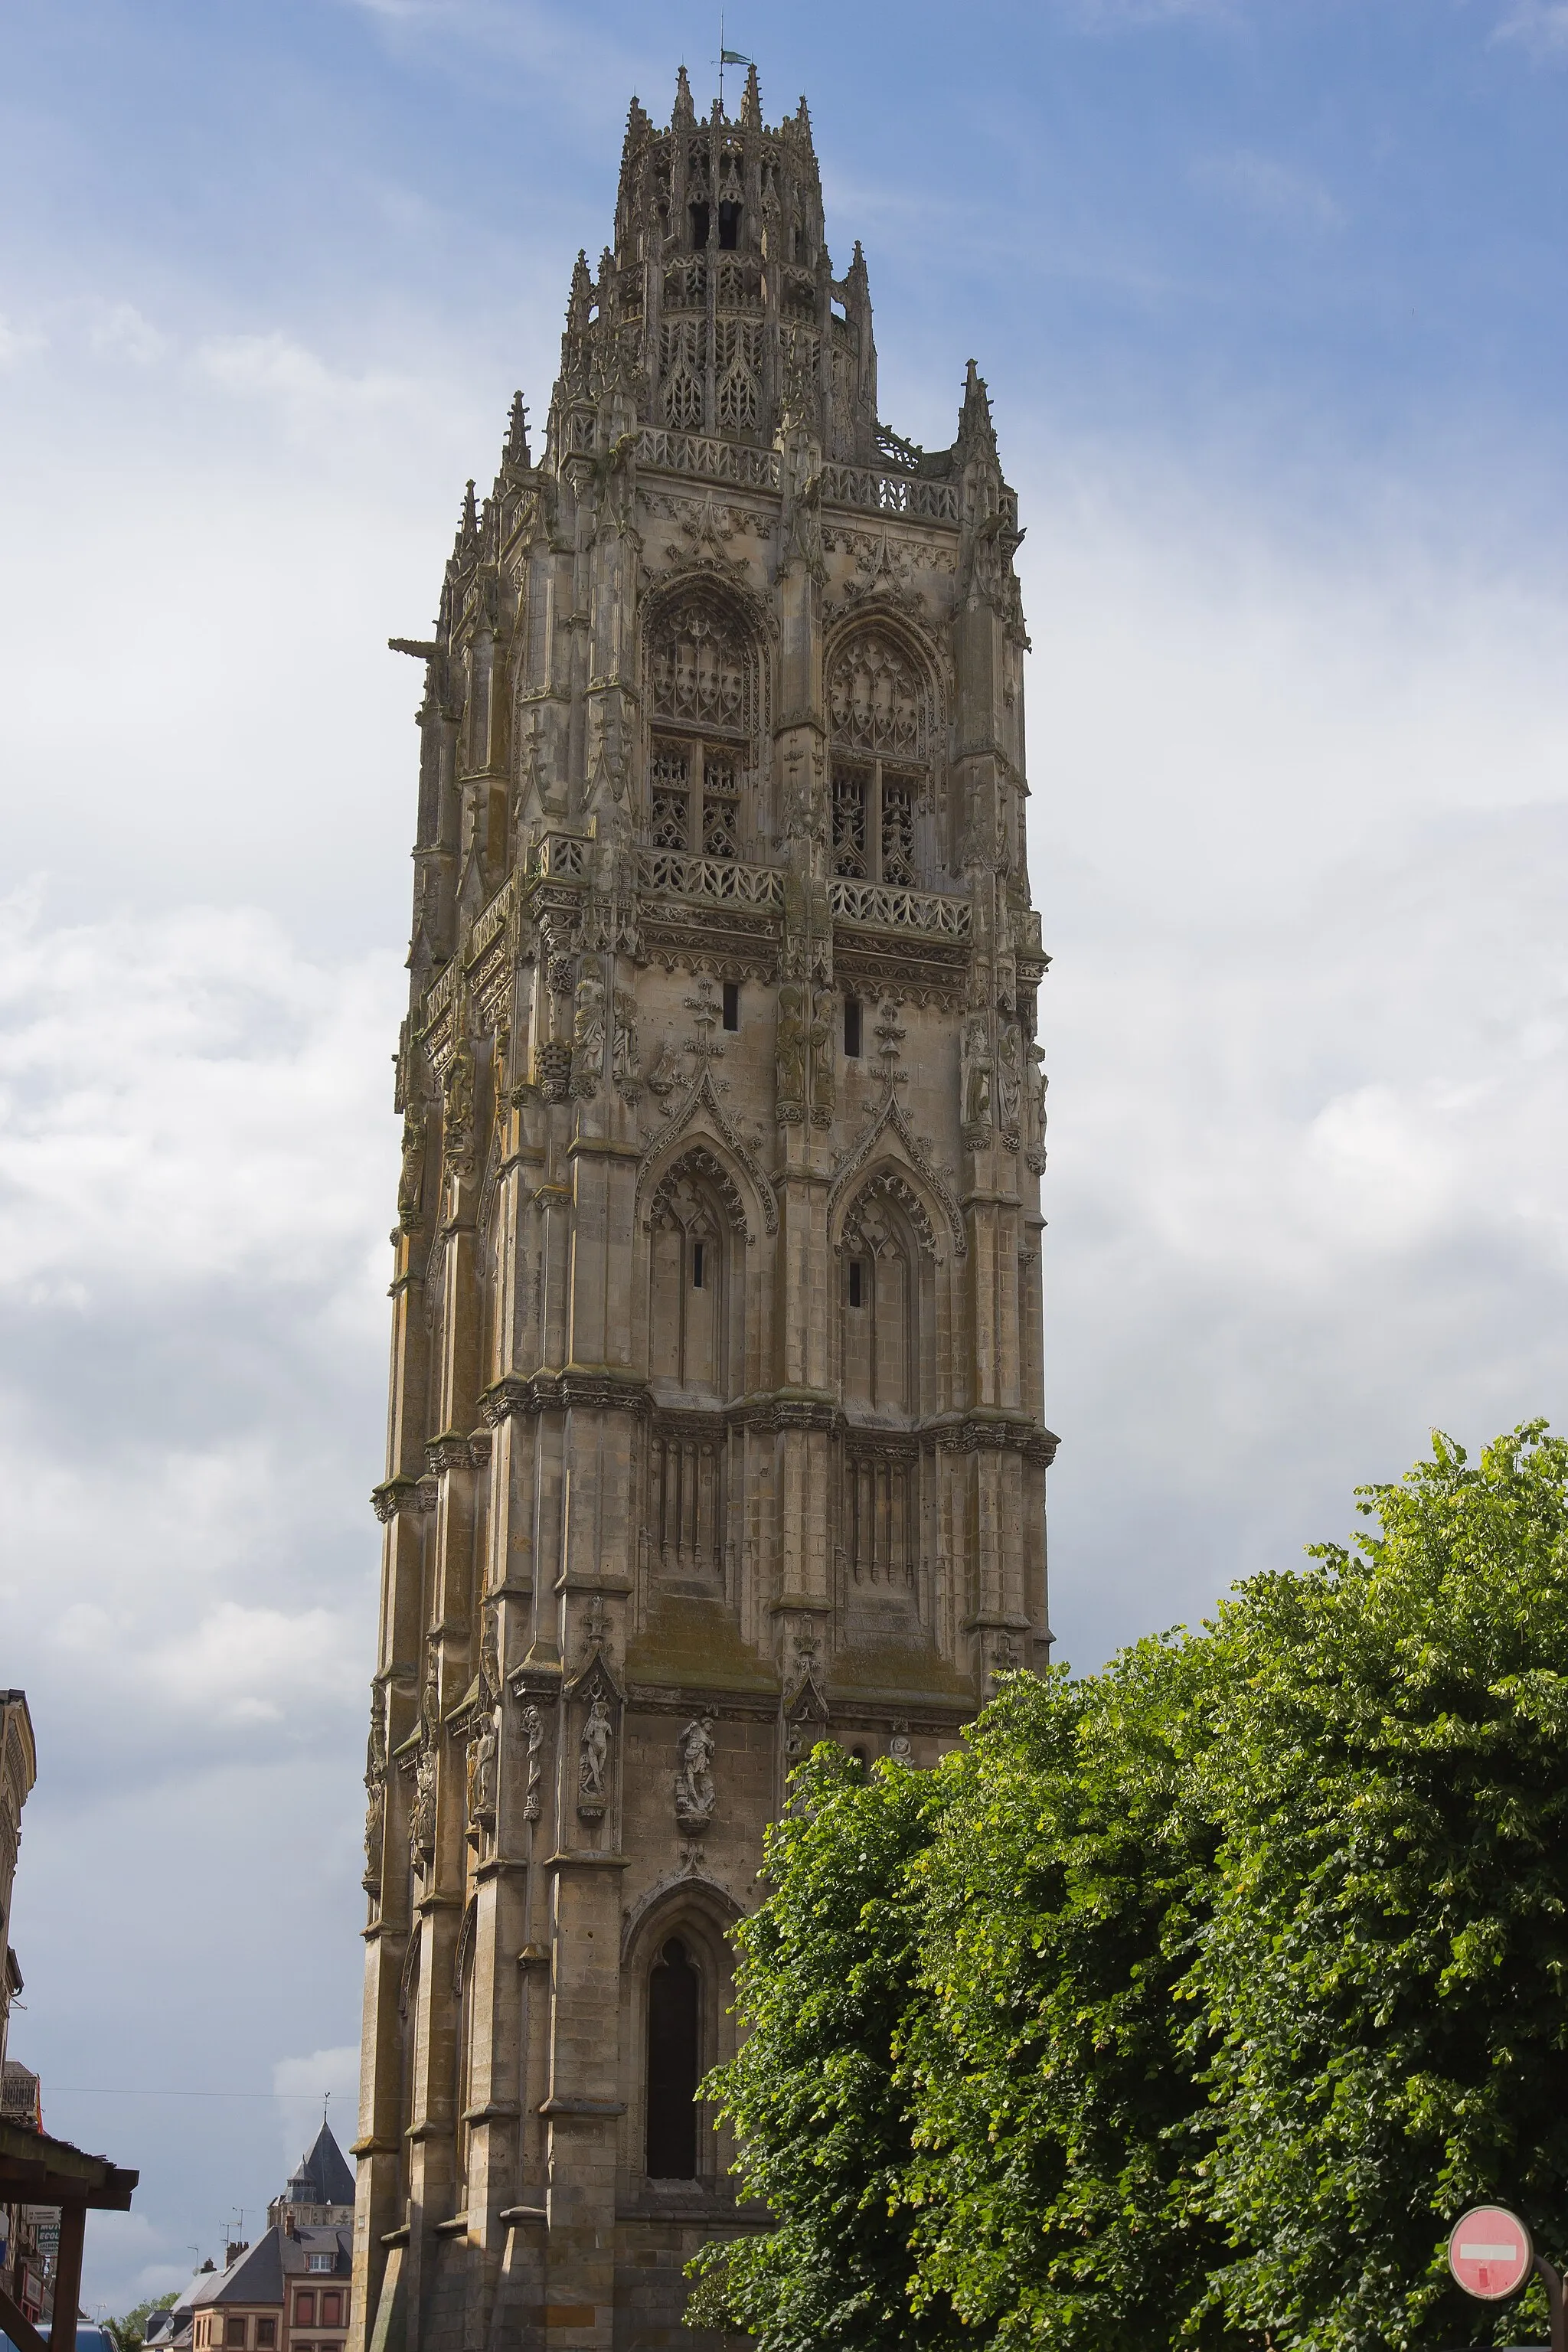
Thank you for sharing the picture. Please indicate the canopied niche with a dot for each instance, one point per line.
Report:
(702, 680)
(886, 1254)
(881, 727)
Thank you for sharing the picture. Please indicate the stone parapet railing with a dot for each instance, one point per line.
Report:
(867, 487)
(896, 494)
(898, 910)
(675, 874)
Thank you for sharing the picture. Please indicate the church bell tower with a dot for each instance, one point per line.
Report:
(716, 1402)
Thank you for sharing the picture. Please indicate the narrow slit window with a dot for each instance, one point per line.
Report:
(698, 1268)
(856, 1283)
(732, 1004)
(852, 1024)
(672, 2064)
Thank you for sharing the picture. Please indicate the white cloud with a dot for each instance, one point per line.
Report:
(1539, 26)
(303, 2084)
(274, 367)
(1271, 191)
(18, 343)
(119, 330)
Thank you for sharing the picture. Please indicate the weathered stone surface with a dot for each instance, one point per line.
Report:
(716, 1387)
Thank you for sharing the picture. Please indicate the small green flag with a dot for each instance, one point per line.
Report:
(733, 58)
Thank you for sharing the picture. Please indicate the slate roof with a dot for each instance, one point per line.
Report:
(326, 2172)
(257, 2276)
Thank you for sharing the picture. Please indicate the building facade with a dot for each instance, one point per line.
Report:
(290, 2291)
(716, 1404)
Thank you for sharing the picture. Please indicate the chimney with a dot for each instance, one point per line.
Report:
(234, 2254)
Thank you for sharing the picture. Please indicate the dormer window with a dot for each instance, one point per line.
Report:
(318, 2262)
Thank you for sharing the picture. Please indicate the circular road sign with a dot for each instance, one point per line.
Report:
(1490, 2252)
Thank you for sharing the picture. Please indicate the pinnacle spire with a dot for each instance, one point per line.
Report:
(751, 102)
(471, 525)
(685, 115)
(515, 451)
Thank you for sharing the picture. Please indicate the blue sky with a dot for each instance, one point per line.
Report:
(1271, 301)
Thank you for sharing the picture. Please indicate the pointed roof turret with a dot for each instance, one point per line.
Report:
(976, 430)
(685, 115)
(580, 300)
(751, 102)
(325, 2172)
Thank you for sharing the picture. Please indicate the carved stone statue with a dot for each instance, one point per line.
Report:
(694, 1780)
(823, 1011)
(625, 1067)
(422, 1811)
(376, 1796)
(1009, 1082)
(594, 1764)
(1036, 1083)
(588, 1035)
(484, 1753)
(976, 1080)
(458, 1126)
(533, 1733)
(789, 1055)
(411, 1175)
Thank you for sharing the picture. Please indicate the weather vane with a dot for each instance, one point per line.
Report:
(727, 58)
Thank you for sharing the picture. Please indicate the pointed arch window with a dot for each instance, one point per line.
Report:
(702, 684)
(674, 2020)
(878, 704)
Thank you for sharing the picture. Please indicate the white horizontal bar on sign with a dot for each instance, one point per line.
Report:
(1474, 2252)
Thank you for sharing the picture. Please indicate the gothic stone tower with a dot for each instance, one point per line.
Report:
(716, 1387)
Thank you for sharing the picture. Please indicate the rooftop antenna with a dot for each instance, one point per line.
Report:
(326, 2102)
(727, 58)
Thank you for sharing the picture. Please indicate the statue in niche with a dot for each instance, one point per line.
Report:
(422, 1811)
(694, 1780)
(625, 1066)
(975, 1082)
(1036, 1083)
(533, 1733)
(484, 1752)
(411, 1175)
(459, 1127)
(823, 1008)
(1009, 1083)
(789, 1054)
(665, 1075)
(899, 1748)
(593, 1763)
(489, 1657)
(589, 1034)
(376, 1796)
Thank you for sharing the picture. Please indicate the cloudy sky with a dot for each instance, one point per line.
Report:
(1273, 300)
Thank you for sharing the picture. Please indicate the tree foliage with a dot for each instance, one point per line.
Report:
(130, 2331)
(1188, 2002)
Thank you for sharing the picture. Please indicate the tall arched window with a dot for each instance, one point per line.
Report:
(696, 1322)
(878, 705)
(886, 1306)
(674, 2056)
(702, 682)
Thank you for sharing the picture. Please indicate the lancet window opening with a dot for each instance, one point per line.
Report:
(702, 667)
(674, 2062)
(880, 717)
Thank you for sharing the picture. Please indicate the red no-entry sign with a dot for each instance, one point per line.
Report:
(1490, 2252)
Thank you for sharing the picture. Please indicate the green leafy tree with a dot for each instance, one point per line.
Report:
(1386, 1979)
(130, 2331)
(1189, 2002)
(1046, 2063)
(824, 2124)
